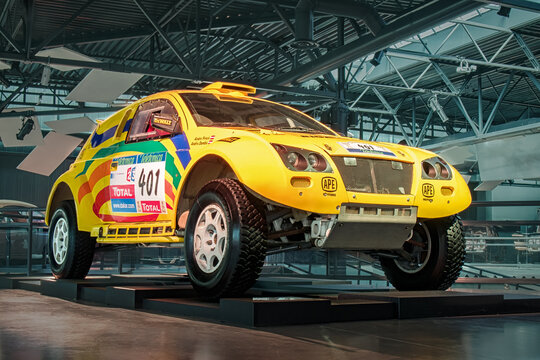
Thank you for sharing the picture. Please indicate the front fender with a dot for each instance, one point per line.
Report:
(259, 167)
(442, 198)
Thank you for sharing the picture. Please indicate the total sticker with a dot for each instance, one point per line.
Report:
(364, 148)
(152, 207)
(137, 184)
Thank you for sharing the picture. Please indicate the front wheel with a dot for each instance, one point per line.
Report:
(224, 243)
(432, 259)
(70, 251)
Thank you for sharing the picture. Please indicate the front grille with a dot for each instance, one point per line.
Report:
(375, 175)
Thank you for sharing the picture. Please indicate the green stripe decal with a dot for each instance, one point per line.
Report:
(172, 170)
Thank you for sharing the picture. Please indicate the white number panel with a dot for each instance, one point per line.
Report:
(363, 148)
(138, 184)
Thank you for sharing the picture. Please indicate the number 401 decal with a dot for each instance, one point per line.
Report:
(149, 182)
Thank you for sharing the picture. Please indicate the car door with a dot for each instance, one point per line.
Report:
(143, 171)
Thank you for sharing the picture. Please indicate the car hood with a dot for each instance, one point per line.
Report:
(337, 145)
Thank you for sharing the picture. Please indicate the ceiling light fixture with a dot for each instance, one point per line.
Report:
(434, 104)
(26, 128)
(465, 68)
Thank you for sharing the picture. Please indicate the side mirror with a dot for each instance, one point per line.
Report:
(166, 123)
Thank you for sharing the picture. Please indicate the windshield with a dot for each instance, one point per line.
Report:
(223, 110)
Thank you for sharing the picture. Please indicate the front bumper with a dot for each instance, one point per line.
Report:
(366, 227)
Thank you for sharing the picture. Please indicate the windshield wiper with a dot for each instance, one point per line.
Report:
(230, 124)
(293, 129)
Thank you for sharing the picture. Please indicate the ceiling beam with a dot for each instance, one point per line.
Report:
(518, 4)
(145, 31)
(420, 19)
(164, 35)
(155, 72)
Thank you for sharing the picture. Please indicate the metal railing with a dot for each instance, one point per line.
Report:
(28, 219)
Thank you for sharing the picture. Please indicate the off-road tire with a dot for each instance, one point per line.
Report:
(245, 249)
(444, 263)
(80, 246)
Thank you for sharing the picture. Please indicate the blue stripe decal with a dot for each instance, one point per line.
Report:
(182, 149)
(99, 139)
(128, 124)
(376, 152)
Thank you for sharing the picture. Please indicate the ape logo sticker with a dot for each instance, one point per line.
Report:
(428, 190)
(329, 184)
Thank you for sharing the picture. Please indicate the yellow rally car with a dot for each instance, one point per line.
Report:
(233, 176)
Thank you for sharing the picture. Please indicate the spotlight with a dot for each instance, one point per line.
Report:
(377, 57)
(46, 76)
(504, 11)
(465, 68)
(433, 103)
(26, 128)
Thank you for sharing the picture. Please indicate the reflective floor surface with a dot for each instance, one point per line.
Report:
(33, 326)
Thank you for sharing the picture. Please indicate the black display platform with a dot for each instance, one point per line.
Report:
(278, 301)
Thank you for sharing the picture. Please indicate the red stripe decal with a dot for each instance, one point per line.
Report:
(103, 196)
(169, 190)
(99, 173)
(141, 218)
(84, 190)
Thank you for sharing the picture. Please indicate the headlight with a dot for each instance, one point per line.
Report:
(297, 161)
(436, 168)
(302, 160)
(317, 162)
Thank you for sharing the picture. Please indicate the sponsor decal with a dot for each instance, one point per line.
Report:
(329, 184)
(365, 148)
(428, 190)
(123, 205)
(138, 184)
(202, 140)
(229, 139)
(158, 120)
(152, 207)
(122, 191)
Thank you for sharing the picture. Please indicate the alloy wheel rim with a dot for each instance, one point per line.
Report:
(419, 248)
(60, 241)
(210, 238)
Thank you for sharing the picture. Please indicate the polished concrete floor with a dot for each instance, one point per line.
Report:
(33, 326)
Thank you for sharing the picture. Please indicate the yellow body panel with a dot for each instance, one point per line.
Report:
(251, 156)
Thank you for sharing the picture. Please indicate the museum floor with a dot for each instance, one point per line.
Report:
(33, 326)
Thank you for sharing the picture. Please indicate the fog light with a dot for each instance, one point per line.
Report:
(300, 182)
(447, 191)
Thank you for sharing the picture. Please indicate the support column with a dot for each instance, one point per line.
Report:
(480, 107)
(341, 109)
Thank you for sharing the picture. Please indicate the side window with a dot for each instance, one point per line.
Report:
(141, 126)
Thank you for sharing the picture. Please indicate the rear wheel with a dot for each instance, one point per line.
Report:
(70, 251)
(432, 259)
(224, 242)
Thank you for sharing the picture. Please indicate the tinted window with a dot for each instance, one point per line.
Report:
(223, 110)
(141, 127)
